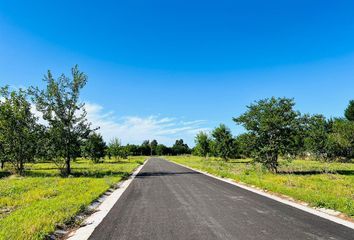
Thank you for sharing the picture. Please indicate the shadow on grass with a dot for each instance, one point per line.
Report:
(116, 162)
(4, 174)
(315, 172)
(87, 174)
(239, 161)
(154, 174)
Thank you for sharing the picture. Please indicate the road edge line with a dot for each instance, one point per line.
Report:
(276, 198)
(90, 223)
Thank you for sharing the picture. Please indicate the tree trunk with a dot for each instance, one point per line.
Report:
(67, 165)
(274, 163)
(20, 169)
(2, 164)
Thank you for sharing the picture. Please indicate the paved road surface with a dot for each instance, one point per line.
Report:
(167, 201)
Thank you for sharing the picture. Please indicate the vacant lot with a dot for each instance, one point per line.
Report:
(33, 206)
(328, 185)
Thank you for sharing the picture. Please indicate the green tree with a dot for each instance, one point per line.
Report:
(94, 147)
(162, 150)
(274, 124)
(115, 148)
(132, 150)
(246, 143)
(316, 136)
(18, 129)
(145, 148)
(349, 111)
(202, 144)
(66, 116)
(180, 148)
(153, 145)
(225, 145)
(340, 144)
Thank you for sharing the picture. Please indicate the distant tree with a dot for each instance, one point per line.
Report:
(202, 144)
(153, 145)
(162, 150)
(340, 144)
(316, 136)
(115, 148)
(132, 150)
(180, 148)
(18, 129)
(225, 146)
(66, 116)
(274, 123)
(145, 148)
(349, 111)
(246, 143)
(94, 147)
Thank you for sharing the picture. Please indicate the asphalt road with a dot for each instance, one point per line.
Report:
(166, 201)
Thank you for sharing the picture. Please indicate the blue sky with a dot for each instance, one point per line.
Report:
(167, 69)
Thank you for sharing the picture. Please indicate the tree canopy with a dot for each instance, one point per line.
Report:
(349, 111)
(94, 147)
(274, 123)
(224, 143)
(18, 129)
(202, 144)
(61, 108)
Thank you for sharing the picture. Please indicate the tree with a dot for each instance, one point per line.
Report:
(274, 124)
(115, 148)
(202, 144)
(180, 148)
(246, 143)
(162, 150)
(132, 150)
(316, 136)
(340, 142)
(349, 111)
(18, 129)
(225, 146)
(94, 147)
(153, 145)
(145, 148)
(66, 116)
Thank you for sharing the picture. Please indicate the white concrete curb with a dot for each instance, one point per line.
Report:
(102, 210)
(276, 198)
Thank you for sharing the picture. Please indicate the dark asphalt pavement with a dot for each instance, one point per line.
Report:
(166, 201)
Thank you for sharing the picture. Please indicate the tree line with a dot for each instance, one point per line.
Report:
(147, 148)
(274, 129)
(66, 133)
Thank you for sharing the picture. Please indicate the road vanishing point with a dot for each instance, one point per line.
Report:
(167, 201)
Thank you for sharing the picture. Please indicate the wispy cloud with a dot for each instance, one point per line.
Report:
(135, 129)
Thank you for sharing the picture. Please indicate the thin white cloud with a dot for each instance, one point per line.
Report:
(135, 129)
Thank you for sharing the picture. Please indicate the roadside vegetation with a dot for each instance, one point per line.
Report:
(307, 157)
(35, 205)
(54, 165)
(321, 184)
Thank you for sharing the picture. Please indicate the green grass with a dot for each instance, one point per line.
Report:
(33, 206)
(328, 185)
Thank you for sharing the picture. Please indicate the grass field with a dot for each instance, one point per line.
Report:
(328, 185)
(33, 206)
